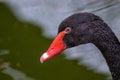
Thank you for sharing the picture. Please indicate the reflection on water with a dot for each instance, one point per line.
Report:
(51, 13)
(4, 52)
(21, 43)
(21, 47)
(8, 70)
(14, 73)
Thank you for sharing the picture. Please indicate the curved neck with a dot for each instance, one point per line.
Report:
(110, 48)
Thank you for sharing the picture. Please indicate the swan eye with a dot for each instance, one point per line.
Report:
(67, 30)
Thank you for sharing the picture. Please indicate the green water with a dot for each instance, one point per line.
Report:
(21, 45)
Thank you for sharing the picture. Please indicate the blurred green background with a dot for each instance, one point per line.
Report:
(21, 45)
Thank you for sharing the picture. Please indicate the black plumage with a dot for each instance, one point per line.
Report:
(89, 28)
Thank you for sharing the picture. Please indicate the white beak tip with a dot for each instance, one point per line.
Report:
(43, 57)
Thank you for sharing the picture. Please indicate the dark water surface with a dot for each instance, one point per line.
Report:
(21, 45)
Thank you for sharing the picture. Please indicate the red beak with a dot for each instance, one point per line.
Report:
(55, 48)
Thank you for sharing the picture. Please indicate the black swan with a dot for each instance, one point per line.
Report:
(82, 28)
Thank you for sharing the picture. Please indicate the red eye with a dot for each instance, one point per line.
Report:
(67, 30)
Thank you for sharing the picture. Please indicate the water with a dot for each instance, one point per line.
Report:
(22, 43)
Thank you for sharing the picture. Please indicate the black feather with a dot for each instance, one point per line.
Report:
(89, 28)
